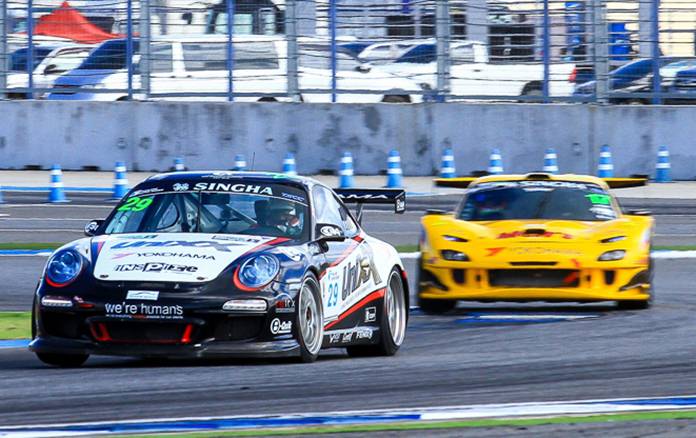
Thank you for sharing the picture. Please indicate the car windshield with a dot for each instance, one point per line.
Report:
(521, 200)
(18, 59)
(111, 55)
(226, 207)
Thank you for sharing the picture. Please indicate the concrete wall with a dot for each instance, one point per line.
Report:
(208, 135)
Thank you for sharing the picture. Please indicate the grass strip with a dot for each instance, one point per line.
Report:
(488, 423)
(15, 325)
(30, 245)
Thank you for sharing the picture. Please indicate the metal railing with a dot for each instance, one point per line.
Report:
(402, 51)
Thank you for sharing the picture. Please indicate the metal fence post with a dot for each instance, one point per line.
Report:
(230, 50)
(601, 53)
(332, 26)
(292, 53)
(145, 52)
(655, 49)
(129, 47)
(4, 65)
(30, 48)
(442, 33)
(546, 48)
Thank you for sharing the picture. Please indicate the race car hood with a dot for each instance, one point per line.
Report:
(514, 231)
(174, 257)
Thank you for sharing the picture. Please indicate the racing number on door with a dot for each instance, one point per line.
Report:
(333, 295)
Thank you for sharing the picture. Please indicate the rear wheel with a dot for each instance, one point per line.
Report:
(310, 320)
(392, 328)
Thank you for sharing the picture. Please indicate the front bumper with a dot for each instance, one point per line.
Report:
(569, 284)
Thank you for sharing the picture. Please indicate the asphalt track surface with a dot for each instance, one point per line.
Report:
(445, 360)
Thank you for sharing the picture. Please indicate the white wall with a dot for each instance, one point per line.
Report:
(208, 135)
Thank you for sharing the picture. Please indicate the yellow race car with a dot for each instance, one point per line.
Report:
(535, 237)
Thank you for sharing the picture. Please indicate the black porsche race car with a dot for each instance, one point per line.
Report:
(204, 264)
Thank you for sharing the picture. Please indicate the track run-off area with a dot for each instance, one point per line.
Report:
(478, 359)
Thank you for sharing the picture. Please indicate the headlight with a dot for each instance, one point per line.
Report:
(610, 256)
(63, 267)
(613, 239)
(258, 271)
(454, 256)
(454, 238)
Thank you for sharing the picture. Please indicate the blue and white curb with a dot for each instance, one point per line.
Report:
(406, 415)
(14, 343)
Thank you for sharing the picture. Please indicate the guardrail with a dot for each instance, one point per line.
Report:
(361, 51)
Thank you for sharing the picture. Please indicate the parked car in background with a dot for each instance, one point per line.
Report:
(49, 62)
(472, 73)
(195, 67)
(386, 52)
(627, 74)
(674, 85)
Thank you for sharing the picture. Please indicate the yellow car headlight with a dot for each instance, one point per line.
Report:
(611, 256)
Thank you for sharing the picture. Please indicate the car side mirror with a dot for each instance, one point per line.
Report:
(52, 69)
(92, 227)
(330, 233)
(639, 212)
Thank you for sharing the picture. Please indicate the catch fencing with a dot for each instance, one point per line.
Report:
(358, 51)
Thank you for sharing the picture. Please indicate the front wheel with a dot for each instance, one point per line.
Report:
(393, 322)
(310, 320)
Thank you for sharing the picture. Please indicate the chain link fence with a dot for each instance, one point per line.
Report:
(364, 51)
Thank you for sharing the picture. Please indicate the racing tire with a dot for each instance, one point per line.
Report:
(309, 320)
(392, 325)
(436, 307)
(63, 360)
(641, 304)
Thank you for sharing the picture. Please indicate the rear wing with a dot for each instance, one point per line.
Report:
(613, 183)
(624, 183)
(395, 197)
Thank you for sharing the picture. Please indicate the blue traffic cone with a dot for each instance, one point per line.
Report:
(664, 168)
(57, 191)
(239, 162)
(550, 161)
(289, 165)
(394, 174)
(179, 164)
(448, 169)
(120, 180)
(605, 169)
(345, 171)
(495, 163)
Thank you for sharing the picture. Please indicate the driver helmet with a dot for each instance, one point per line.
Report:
(283, 215)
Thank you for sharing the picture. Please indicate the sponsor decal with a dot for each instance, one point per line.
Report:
(238, 188)
(370, 314)
(146, 191)
(597, 198)
(218, 246)
(165, 254)
(347, 337)
(536, 250)
(149, 295)
(92, 227)
(180, 187)
(293, 197)
(534, 184)
(493, 251)
(239, 239)
(158, 311)
(136, 236)
(357, 274)
(363, 333)
(334, 338)
(285, 304)
(330, 231)
(545, 234)
(279, 327)
(156, 267)
(400, 204)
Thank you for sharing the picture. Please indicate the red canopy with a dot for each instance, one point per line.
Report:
(67, 22)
